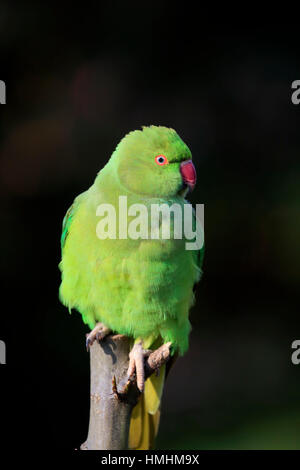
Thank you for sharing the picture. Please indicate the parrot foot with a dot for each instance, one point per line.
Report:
(97, 333)
(137, 358)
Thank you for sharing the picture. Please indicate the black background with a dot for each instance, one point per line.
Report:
(78, 79)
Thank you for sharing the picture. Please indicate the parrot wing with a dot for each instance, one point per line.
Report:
(66, 225)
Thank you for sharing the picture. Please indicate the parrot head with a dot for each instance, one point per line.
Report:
(154, 162)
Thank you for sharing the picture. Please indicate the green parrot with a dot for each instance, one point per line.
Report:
(141, 287)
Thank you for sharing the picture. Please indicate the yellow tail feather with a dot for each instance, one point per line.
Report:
(146, 414)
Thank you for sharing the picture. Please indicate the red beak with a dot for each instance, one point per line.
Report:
(188, 173)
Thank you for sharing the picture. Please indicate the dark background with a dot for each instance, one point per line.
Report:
(77, 80)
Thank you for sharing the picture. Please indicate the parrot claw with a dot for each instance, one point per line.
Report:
(88, 343)
(136, 366)
(98, 333)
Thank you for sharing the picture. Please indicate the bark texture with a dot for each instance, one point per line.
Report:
(112, 394)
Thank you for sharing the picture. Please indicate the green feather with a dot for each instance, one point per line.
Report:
(66, 225)
(140, 288)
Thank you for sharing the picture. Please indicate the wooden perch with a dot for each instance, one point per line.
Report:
(112, 394)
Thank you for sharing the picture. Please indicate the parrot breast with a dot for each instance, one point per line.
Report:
(139, 288)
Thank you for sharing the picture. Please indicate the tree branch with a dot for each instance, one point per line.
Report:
(112, 394)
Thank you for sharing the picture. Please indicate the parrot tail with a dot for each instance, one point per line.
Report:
(145, 416)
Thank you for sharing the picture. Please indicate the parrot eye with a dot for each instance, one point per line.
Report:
(161, 160)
